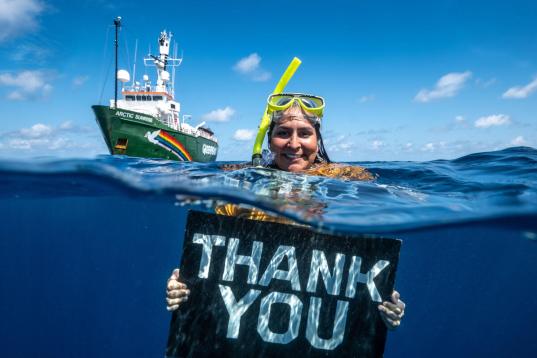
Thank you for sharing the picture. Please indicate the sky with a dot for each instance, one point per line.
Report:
(402, 80)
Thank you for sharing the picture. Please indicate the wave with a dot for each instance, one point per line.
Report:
(499, 185)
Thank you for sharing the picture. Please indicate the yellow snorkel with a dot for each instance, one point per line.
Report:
(265, 120)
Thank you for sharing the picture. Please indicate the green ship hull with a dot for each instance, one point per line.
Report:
(140, 135)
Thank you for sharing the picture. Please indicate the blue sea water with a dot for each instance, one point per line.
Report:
(86, 247)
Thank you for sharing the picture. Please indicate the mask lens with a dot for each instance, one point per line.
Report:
(308, 103)
(283, 101)
(280, 100)
(311, 102)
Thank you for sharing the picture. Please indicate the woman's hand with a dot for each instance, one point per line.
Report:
(176, 292)
(392, 312)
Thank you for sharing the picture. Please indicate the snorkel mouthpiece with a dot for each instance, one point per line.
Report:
(265, 120)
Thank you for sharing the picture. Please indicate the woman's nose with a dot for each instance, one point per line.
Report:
(294, 142)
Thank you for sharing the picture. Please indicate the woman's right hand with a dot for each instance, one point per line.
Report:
(176, 292)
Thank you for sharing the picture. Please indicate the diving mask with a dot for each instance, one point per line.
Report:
(309, 103)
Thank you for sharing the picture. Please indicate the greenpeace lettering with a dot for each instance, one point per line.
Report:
(255, 286)
(208, 149)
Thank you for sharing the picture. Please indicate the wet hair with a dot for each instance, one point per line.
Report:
(322, 156)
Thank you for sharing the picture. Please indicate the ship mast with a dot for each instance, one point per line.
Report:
(117, 24)
(162, 62)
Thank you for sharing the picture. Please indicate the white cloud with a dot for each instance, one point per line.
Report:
(492, 121)
(28, 84)
(18, 17)
(79, 80)
(66, 125)
(434, 147)
(36, 131)
(18, 143)
(367, 98)
(61, 142)
(251, 67)
(377, 144)
(30, 53)
(219, 115)
(47, 139)
(408, 147)
(447, 86)
(345, 146)
(15, 96)
(248, 64)
(519, 141)
(459, 122)
(338, 143)
(244, 134)
(521, 91)
(47, 143)
(429, 147)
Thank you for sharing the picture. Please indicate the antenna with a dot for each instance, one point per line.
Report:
(173, 69)
(134, 66)
(162, 63)
(117, 24)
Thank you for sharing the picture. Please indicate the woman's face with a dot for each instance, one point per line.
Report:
(294, 141)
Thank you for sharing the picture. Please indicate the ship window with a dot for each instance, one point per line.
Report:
(138, 98)
(172, 105)
(121, 143)
(129, 98)
(144, 98)
(157, 98)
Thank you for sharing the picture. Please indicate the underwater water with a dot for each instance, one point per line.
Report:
(86, 247)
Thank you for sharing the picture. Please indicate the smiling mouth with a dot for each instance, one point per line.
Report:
(291, 156)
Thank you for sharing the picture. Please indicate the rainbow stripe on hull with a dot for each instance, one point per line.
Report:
(166, 141)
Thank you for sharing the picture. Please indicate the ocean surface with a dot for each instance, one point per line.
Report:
(86, 247)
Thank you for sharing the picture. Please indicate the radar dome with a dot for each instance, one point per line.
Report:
(165, 75)
(146, 78)
(123, 76)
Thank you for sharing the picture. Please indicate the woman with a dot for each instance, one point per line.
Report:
(296, 145)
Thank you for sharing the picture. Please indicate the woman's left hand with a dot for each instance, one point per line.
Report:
(392, 312)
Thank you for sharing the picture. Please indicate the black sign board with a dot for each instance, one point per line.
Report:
(268, 289)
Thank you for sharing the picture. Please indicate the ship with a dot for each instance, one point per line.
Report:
(145, 121)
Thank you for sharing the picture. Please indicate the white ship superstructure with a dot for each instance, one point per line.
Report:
(157, 100)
